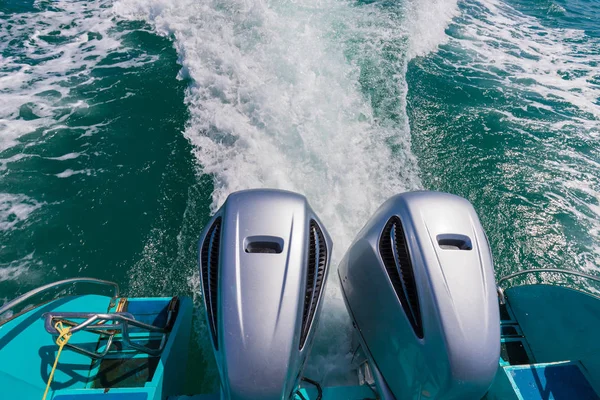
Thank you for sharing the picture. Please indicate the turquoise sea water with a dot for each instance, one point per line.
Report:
(125, 123)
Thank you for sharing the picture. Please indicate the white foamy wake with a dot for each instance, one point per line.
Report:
(15, 209)
(46, 54)
(276, 101)
(20, 270)
(552, 74)
(426, 22)
(15, 213)
(521, 53)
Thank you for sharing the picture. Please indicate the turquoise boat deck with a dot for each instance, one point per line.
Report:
(28, 351)
(550, 346)
(549, 350)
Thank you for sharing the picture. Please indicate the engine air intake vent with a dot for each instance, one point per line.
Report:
(317, 260)
(396, 259)
(210, 274)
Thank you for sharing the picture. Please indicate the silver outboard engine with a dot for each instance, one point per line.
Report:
(264, 258)
(419, 284)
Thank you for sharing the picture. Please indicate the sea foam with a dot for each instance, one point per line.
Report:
(280, 98)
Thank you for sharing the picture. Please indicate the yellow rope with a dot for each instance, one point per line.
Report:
(61, 341)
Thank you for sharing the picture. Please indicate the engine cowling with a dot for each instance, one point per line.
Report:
(419, 284)
(264, 259)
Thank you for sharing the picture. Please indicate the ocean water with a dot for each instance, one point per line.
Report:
(125, 123)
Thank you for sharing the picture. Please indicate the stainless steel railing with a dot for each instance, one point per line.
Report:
(24, 297)
(556, 270)
(536, 270)
(105, 324)
(108, 325)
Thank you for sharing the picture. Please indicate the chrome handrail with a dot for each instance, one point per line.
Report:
(556, 270)
(97, 323)
(44, 288)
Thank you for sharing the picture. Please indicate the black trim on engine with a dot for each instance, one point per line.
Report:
(395, 255)
(315, 277)
(209, 268)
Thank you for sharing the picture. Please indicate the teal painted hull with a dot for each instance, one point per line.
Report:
(27, 353)
(549, 351)
(550, 348)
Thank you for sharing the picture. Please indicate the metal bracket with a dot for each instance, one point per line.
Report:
(106, 324)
